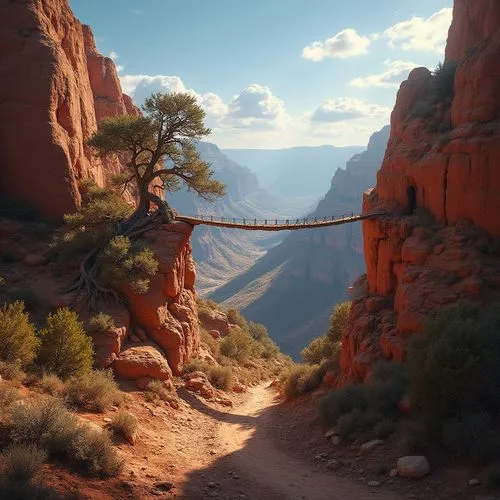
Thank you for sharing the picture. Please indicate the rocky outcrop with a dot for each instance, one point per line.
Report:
(168, 313)
(441, 165)
(55, 88)
(142, 361)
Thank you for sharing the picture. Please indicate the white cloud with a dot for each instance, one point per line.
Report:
(346, 109)
(420, 34)
(113, 55)
(345, 44)
(396, 72)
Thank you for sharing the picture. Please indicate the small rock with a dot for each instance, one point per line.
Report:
(127, 485)
(374, 483)
(106, 420)
(34, 260)
(135, 339)
(474, 482)
(164, 485)
(333, 464)
(330, 433)
(321, 456)
(211, 484)
(370, 445)
(335, 440)
(393, 473)
(414, 467)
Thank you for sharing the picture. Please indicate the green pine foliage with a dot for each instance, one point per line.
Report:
(66, 350)
(18, 342)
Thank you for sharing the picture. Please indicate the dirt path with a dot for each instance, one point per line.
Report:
(249, 464)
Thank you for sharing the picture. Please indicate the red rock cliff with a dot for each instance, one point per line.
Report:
(443, 160)
(55, 88)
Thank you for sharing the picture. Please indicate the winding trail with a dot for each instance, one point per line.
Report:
(250, 464)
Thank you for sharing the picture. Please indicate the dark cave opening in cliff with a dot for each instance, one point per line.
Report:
(411, 194)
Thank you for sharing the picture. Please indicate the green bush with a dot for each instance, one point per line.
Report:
(213, 344)
(101, 323)
(237, 345)
(460, 435)
(124, 424)
(342, 401)
(66, 349)
(156, 390)
(8, 395)
(94, 224)
(318, 350)
(219, 376)
(236, 318)
(423, 218)
(443, 81)
(338, 322)
(93, 391)
(23, 461)
(384, 428)
(487, 447)
(257, 331)
(122, 262)
(354, 422)
(388, 384)
(11, 370)
(455, 366)
(301, 379)
(17, 334)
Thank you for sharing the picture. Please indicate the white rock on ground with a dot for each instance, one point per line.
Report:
(414, 467)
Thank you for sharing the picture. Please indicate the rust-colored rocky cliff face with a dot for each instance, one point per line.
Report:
(442, 159)
(55, 88)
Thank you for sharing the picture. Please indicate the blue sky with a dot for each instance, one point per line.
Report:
(273, 73)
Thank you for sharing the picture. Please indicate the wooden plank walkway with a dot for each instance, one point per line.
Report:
(275, 224)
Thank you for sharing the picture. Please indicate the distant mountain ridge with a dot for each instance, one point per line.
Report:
(222, 254)
(294, 286)
(298, 171)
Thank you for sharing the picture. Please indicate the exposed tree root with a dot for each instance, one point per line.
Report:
(88, 283)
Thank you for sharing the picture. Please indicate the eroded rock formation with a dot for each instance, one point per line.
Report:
(55, 88)
(441, 163)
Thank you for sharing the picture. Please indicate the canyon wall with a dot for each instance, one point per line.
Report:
(55, 89)
(440, 187)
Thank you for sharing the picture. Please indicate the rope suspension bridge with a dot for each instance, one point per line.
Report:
(275, 224)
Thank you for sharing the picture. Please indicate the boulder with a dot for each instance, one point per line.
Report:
(414, 467)
(142, 361)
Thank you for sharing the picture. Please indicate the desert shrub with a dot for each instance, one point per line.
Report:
(455, 366)
(301, 379)
(443, 81)
(94, 224)
(342, 401)
(27, 296)
(11, 370)
(384, 428)
(213, 344)
(2, 281)
(23, 461)
(51, 384)
(124, 424)
(460, 435)
(237, 345)
(93, 450)
(122, 262)
(487, 447)
(206, 304)
(101, 323)
(8, 395)
(17, 334)
(236, 318)
(267, 348)
(338, 321)
(354, 422)
(14, 490)
(93, 391)
(220, 376)
(46, 423)
(415, 438)
(66, 349)
(257, 331)
(318, 349)
(156, 390)
(388, 384)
